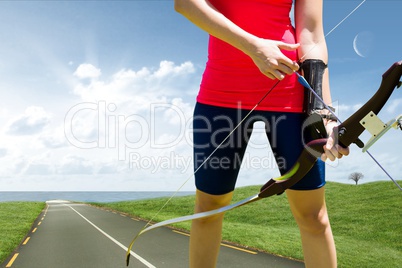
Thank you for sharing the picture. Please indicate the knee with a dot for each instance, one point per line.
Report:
(314, 222)
(214, 219)
(205, 202)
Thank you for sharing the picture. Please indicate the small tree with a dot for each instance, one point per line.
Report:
(356, 176)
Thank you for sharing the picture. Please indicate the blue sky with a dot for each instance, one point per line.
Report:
(98, 95)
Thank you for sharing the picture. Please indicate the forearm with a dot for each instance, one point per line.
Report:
(310, 33)
(208, 18)
(316, 48)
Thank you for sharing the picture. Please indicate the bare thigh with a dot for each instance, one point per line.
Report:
(308, 207)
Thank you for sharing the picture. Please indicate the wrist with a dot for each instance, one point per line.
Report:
(250, 45)
(328, 122)
(326, 114)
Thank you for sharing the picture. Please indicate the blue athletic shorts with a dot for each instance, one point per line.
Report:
(212, 124)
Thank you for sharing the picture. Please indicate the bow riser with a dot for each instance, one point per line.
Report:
(350, 130)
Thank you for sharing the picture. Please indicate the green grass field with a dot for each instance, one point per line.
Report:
(366, 221)
(16, 219)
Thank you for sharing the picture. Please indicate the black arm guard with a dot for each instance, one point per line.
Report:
(313, 71)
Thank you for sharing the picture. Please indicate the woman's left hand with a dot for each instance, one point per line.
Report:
(332, 150)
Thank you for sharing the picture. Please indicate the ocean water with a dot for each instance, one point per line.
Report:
(85, 196)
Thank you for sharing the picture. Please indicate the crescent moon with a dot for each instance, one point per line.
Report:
(355, 47)
(363, 43)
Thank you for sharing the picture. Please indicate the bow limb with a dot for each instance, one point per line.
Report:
(200, 215)
(350, 130)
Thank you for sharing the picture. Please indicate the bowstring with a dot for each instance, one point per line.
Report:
(383, 169)
(238, 125)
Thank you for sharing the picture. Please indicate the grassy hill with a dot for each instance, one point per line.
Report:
(366, 221)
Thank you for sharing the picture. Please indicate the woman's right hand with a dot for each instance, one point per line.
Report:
(268, 57)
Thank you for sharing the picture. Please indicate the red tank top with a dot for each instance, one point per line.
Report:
(231, 79)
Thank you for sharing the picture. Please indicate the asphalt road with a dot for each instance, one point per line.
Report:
(77, 235)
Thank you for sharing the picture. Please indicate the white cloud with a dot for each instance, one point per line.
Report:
(108, 168)
(72, 164)
(3, 152)
(132, 110)
(38, 169)
(395, 106)
(17, 165)
(141, 87)
(53, 139)
(33, 121)
(168, 68)
(87, 70)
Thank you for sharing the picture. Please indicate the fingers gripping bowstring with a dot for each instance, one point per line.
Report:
(235, 128)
